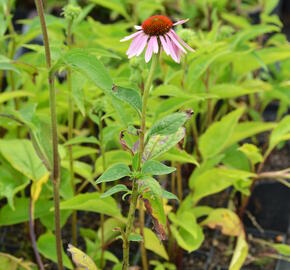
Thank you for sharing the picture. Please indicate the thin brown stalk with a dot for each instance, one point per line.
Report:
(33, 238)
(56, 163)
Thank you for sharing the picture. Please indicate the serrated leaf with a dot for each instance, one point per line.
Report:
(153, 167)
(114, 190)
(158, 144)
(92, 202)
(113, 173)
(167, 125)
(130, 96)
(152, 195)
(90, 66)
(81, 260)
(214, 140)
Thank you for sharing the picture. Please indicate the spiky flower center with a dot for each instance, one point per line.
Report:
(157, 25)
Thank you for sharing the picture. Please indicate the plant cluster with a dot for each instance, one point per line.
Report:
(141, 142)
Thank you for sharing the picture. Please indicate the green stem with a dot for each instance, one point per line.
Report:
(134, 198)
(12, 47)
(70, 134)
(142, 243)
(103, 188)
(56, 163)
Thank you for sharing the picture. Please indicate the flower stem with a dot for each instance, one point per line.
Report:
(70, 134)
(134, 198)
(56, 164)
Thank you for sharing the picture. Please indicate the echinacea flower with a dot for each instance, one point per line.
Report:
(158, 32)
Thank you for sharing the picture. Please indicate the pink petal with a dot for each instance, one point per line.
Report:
(181, 41)
(181, 22)
(178, 52)
(142, 44)
(155, 44)
(176, 42)
(171, 49)
(164, 45)
(149, 50)
(137, 27)
(134, 46)
(131, 36)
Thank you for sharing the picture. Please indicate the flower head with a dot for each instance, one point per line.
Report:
(157, 32)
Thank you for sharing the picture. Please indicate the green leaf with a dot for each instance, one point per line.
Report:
(217, 179)
(11, 182)
(152, 167)
(252, 152)
(226, 220)
(20, 214)
(168, 195)
(78, 82)
(81, 140)
(4, 97)
(152, 195)
(115, 172)
(5, 64)
(89, 66)
(130, 96)
(178, 155)
(224, 90)
(114, 5)
(10, 262)
(186, 231)
(248, 129)
(114, 190)
(283, 249)
(167, 125)
(22, 157)
(214, 140)
(159, 144)
(280, 133)
(46, 245)
(92, 202)
(153, 243)
(81, 259)
(112, 157)
(240, 253)
(135, 237)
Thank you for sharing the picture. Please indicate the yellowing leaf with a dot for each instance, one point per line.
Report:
(81, 260)
(226, 220)
(37, 186)
(240, 253)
